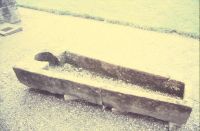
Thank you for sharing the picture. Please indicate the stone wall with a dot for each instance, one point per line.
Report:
(8, 12)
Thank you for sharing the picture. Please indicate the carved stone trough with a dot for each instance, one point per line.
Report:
(99, 82)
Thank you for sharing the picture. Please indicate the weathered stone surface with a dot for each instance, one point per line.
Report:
(166, 108)
(47, 56)
(58, 86)
(146, 106)
(150, 81)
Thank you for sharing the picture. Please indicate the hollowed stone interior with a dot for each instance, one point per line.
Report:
(98, 80)
(100, 73)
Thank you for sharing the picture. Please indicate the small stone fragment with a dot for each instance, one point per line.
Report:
(70, 98)
(173, 126)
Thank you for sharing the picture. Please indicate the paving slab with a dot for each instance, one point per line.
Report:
(9, 29)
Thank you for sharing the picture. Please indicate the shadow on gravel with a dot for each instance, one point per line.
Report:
(32, 90)
(108, 109)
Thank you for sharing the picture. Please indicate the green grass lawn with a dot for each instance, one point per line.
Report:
(181, 16)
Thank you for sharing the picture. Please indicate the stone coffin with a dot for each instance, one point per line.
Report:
(125, 89)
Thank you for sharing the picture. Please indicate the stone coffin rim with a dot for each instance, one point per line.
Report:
(38, 68)
(178, 112)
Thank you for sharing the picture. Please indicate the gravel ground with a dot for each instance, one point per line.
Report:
(24, 109)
